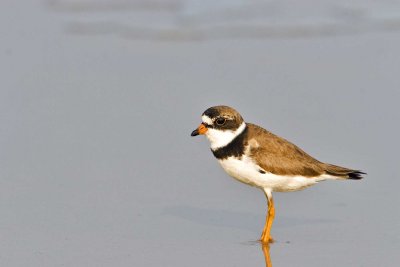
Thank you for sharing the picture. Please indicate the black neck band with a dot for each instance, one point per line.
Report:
(234, 149)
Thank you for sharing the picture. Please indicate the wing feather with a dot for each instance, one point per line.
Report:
(277, 155)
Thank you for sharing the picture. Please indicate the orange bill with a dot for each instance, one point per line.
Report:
(202, 129)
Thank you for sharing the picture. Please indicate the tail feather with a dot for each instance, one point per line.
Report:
(344, 173)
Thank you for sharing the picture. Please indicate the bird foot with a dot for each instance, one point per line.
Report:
(266, 240)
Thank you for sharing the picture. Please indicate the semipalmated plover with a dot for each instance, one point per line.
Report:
(259, 158)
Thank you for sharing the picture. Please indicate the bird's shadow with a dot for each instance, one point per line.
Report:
(236, 219)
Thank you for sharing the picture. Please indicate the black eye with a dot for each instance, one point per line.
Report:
(220, 121)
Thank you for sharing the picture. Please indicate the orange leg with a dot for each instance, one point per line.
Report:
(266, 234)
(265, 249)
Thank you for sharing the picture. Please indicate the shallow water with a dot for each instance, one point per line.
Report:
(97, 164)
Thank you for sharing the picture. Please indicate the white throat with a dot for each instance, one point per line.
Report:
(220, 138)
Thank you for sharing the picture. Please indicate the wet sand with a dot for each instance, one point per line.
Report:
(98, 168)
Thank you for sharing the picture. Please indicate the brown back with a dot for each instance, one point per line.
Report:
(278, 156)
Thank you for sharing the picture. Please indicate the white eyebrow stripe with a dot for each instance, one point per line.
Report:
(206, 120)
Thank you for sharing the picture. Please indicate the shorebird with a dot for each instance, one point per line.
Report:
(259, 158)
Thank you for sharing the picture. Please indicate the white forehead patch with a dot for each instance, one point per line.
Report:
(206, 120)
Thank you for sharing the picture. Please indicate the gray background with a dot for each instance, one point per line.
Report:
(98, 99)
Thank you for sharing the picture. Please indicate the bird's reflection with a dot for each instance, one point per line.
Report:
(267, 256)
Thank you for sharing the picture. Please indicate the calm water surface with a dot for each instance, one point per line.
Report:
(98, 100)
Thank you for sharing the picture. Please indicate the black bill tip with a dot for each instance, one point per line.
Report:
(195, 132)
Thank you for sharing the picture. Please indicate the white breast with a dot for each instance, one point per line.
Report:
(246, 171)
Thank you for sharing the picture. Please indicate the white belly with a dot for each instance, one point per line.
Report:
(246, 171)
